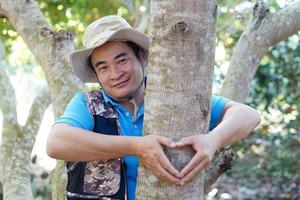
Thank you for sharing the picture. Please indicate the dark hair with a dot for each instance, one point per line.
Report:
(134, 47)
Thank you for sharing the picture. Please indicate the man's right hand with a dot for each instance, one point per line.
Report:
(152, 156)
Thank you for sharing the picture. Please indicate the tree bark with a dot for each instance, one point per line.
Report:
(179, 86)
(17, 141)
(52, 50)
(3, 13)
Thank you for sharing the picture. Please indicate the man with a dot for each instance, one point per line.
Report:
(98, 128)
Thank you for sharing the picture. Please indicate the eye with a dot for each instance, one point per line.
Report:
(102, 68)
(123, 61)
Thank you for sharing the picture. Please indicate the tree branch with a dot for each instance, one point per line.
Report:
(280, 25)
(130, 5)
(263, 30)
(143, 18)
(222, 162)
(53, 54)
(3, 13)
(52, 51)
(7, 95)
(38, 107)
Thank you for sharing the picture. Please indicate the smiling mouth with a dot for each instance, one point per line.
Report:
(121, 83)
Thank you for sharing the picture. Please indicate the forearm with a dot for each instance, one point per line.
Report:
(74, 144)
(237, 124)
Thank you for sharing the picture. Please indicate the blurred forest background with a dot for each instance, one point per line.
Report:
(267, 164)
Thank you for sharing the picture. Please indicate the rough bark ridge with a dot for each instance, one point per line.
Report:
(179, 86)
(52, 50)
(17, 141)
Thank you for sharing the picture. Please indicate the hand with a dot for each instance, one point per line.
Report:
(153, 157)
(205, 146)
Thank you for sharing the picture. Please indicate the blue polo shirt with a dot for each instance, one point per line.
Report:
(77, 114)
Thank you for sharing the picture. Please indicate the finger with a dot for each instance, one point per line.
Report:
(194, 172)
(166, 141)
(194, 162)
(167, 165)
(183, 142)
(164, 175)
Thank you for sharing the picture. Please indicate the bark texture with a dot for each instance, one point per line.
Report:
(52, 50)
(179, 84)
(17, 141)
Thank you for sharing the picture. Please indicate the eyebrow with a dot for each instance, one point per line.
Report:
(116, 57)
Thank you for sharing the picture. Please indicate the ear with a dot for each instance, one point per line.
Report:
(143, 57)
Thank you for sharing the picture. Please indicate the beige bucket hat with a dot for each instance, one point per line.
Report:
(108, 28)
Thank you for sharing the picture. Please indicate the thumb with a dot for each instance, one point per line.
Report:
(183, 142)
(166, 141)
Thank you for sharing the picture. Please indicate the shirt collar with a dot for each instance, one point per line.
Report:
(108, 99)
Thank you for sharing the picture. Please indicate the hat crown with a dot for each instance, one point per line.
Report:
(102, 28)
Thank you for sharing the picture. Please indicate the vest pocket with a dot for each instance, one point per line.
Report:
(102, 178)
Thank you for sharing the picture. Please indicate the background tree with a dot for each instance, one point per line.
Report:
(17, 141)
(51, 49)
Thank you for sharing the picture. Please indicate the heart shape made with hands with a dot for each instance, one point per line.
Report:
(190, 155)
(179, 156)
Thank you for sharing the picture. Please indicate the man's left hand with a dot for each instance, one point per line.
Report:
(205, 147)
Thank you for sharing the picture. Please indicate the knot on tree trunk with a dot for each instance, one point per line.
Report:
(227, 160)
(58, 36)
(180, 27)
(216, 11)
(259, 12)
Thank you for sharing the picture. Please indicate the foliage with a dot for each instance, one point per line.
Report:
(276, 91)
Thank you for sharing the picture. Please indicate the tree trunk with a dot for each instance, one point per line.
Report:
(52, 50)
(179, 86)
(17, 141)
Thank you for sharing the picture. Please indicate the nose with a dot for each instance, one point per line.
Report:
(115, 72)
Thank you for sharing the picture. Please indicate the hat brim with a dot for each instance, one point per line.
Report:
(80, 59)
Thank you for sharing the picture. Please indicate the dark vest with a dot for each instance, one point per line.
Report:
(105, 179)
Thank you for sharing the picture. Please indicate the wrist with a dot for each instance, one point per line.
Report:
(136, 146)
(216, 140)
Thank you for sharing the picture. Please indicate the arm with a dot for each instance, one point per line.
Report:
(75, 144)
(66, 142)
(237, 122)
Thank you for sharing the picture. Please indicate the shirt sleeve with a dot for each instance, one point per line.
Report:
(77, 113)
(217, 107)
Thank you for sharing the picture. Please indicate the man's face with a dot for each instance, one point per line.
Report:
(118, 69)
